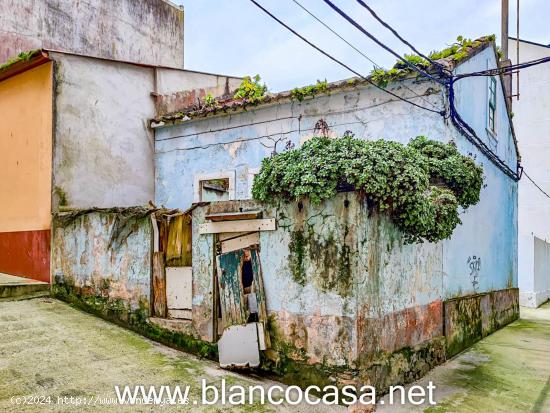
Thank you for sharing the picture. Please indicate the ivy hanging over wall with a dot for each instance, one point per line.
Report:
(419, 185)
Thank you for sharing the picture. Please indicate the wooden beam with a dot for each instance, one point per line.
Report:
(246, 225)
(234, 216)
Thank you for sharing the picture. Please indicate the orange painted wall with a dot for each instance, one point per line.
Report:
(26, 168)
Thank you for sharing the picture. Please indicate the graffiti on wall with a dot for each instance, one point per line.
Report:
(474, 265)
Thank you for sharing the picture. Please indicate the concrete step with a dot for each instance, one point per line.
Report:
(12, 287)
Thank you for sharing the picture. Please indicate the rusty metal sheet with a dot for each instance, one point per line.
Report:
(178, 248)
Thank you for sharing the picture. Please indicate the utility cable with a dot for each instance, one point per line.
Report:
(378, 42)
(376, 65)
(340, 62)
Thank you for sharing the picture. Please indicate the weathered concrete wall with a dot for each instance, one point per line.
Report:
(532, 123)
(469, 319)
(103, 148)
(26, 163)
(91, 265)
(482, 253)
(178, 90)
(343, 291)
(149, 32)
(103, 152)
(233, 145)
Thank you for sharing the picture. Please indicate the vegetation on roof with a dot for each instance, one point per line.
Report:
(456, 53)
(251, 89)
(420, 185)
(252, 92)
(21, 57)
(300, 93)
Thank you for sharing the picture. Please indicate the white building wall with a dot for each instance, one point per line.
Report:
(532, 125)
(103, 146)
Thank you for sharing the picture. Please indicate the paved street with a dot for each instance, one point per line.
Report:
(50, 349)
(509, 371)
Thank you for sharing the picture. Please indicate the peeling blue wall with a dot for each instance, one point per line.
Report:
(482, 253)
(82, 257)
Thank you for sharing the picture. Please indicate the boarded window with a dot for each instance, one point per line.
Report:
(179, 292)
(214, 190)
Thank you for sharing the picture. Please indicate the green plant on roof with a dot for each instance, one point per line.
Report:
(457, 52)
(420, 186)
(210, 101)
(21, 57)
(301, 93)
(251, 89)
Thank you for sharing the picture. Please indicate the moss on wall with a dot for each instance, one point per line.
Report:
(120, 312)
(322, 258)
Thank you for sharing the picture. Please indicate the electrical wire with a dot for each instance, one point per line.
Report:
(255, 138)
(536, 185)
(448, 81)
(336, 34)
(378, 42)
(376, 65)
(504, 70)
(340, 62)
(469, 133)
(396, 34)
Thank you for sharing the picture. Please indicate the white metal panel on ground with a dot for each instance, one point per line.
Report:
(239, 346)
(179, 291)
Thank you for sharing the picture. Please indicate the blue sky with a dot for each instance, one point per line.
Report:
(234, 37)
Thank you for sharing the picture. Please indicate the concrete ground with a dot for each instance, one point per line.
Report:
(13, 279)
(13, 286)
(47, 348)
(509, 371)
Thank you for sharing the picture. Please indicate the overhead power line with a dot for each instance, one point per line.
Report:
(387, 26)
(336, 34)
(376, 65)
(340, 62)
(448, 81)
(378, 42)
(504, 70)
(536, 185)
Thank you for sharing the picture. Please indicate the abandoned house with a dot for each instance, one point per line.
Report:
(130, 189)
(325, 291)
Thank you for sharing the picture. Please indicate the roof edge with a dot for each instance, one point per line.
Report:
(547, 46)
(38, 58)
